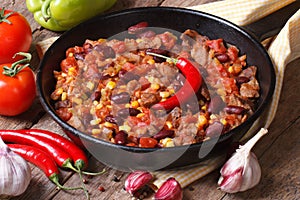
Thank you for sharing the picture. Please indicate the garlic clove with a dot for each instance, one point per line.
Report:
(15, 173)
(242, 171)
(136, 180)
(169, 190)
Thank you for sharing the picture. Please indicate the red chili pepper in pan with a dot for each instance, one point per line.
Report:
(191, 86)
(42, 160)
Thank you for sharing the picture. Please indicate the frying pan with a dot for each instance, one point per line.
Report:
(179, 19)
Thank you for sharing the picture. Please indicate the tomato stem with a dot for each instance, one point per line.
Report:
(16, 67)
(3, 17)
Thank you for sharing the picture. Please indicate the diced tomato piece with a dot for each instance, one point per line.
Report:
(216, 45)
(147, 142)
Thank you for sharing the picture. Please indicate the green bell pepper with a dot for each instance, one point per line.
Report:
(61, 15)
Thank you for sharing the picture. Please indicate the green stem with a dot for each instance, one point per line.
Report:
(46, 10)
(16, 67)
(3, 17)
(173, 60)
(54, 178)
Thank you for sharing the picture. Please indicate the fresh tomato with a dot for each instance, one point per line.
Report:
(17, 87)
(15, 34)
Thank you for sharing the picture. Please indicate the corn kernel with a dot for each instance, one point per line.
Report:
(101, 40)
(111, 85)
(230, 69)
(139, 40)
(77, 100)
(70, 54)
(169, 124)
(202, 121)
(99, 106)
(167, 142)
(92, 111)
(164, 94)
(64, 96)
(127, 105)
(151, 61)
(171, 91)
(96, 131)
(95, 121)
(140, 115)
(204, 108)
(134, 104)
(224, 122)
(108, 124)
(95, 103)
(90, 85)
(155, 86)
(59, 91)
(212, 116)
(124, 127)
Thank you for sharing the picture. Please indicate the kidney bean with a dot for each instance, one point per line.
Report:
(128, 76)
(96, 96)
(120, 98)
(231, 109)
(241, 79)
(111, 119)
(63, 104)
(125, 112)
(222, 57)
(216, 104)
(214, 129)
(107, 51)
(139, 27)
(120, 137)
(164, 134)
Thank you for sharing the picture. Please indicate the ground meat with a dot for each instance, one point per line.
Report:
(149, 99)
(250, 89)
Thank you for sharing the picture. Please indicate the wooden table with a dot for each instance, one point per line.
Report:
(278, 152)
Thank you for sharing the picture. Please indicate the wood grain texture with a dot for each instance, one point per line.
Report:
(278, 152)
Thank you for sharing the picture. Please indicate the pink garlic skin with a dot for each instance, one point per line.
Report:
(242, 171)
(136, 180)
(236, 177)
(170, 190)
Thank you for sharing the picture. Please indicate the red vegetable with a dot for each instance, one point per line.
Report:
(192, 84)
(17, 86)
(77, 155)
(42, 160)
(15, 34)
(61, 157)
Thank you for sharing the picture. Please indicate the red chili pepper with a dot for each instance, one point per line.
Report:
(192, 84)
(61, 157)
(42, 160)
(77, 155)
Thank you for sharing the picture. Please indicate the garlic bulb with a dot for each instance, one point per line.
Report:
(15, 173)
(242, 171)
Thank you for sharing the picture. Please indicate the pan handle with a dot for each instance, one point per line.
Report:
(273, 23)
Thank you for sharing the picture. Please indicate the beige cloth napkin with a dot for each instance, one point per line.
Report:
(284, 49)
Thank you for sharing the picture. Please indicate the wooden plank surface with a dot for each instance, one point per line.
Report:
(278, 152)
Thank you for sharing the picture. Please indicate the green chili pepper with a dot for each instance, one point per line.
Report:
(61, 15)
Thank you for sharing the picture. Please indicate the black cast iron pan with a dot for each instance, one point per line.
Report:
(129, 158)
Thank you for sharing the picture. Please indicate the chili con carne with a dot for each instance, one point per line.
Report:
(191, 86)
